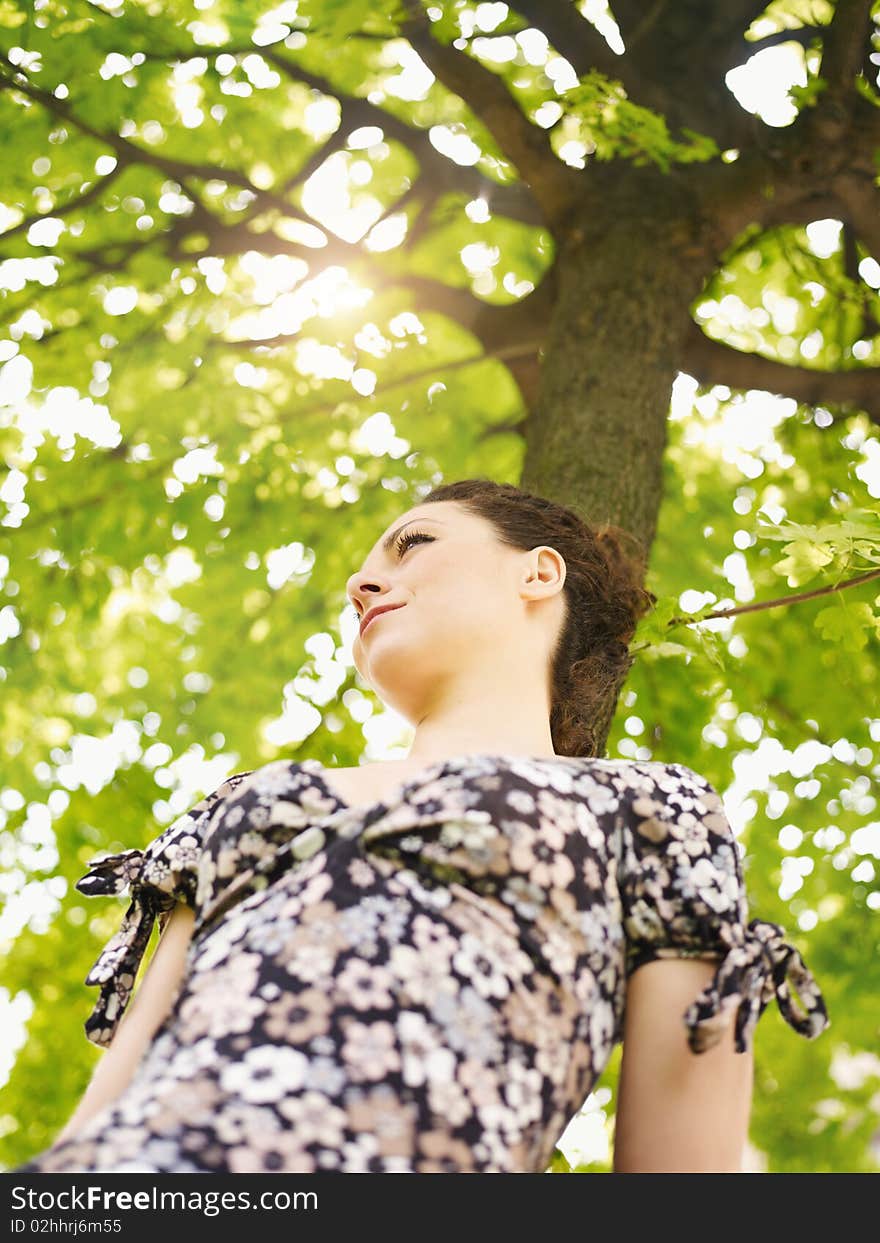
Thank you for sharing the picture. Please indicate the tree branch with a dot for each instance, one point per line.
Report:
(444, 175)
(581, 44)
(794, 175)
(822, 165)
(317, 409)
(860, 204)
(88, 196)
(691, 46)
(633, 22)
(225, 239)
(554, 185)
(130, 153)
(711, 362)
(831, 121)
(514, 332)
(512, 199)
(804, 35)
(843, 44)
(572, 36)
(797, 598)
(675, 60)
(235, 239)
(855, 184)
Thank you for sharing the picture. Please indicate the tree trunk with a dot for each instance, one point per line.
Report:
(626, 278)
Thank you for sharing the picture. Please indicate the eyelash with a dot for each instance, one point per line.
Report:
(409, 537)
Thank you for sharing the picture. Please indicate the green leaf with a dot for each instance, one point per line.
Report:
(804, 561)
(846, 625)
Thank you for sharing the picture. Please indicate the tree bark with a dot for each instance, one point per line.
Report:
(626, 280)
(625, 283)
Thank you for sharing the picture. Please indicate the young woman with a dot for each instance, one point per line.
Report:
(424, 965)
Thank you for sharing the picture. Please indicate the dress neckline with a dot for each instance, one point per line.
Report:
(399, 790)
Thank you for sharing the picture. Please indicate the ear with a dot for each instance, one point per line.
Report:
(545, 572)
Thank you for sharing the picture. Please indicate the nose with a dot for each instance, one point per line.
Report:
(364, 591)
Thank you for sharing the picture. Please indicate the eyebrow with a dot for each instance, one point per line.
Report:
(388, 542)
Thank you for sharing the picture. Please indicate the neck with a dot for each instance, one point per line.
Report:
(511, 720)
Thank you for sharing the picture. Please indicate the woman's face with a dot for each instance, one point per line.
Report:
(468, 608)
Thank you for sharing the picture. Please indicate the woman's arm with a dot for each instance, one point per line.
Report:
(678, 1111)
(146, 1011)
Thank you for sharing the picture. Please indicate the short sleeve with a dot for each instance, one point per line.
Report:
(683, 896)
(163, 873)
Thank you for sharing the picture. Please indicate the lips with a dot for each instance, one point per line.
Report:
(376, 612)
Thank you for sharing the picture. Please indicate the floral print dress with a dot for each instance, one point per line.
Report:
(431, 983)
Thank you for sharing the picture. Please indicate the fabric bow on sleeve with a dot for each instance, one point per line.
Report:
(117, 964)
(760, 964)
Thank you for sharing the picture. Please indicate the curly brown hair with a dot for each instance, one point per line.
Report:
(603, 593)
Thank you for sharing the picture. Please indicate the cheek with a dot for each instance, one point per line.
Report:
(470, 607)
(454, 595)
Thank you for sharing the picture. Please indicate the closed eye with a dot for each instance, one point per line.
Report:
(409, 537)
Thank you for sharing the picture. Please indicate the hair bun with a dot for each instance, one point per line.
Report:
(626, 570)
